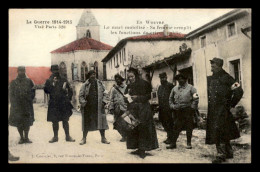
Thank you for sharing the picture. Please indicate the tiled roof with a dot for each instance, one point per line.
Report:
(83, 44)
(37, 74)
(170, 60)
(149, 37)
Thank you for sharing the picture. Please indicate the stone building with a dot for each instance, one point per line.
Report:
(139, 51)
(85, 53)
(227, 37)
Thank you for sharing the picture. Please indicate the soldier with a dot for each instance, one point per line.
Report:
(22, 93)
(165, 113)
(223, 94)
(117, 105)
(92, 97)
(60, 107)
(184, 101)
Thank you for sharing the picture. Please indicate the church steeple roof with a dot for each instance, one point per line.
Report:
(87, 19)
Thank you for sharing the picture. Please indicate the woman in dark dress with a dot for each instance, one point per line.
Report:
(143, 137)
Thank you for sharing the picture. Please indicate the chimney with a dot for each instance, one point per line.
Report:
(165, 30)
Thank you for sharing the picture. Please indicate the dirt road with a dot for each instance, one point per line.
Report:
(41, 151)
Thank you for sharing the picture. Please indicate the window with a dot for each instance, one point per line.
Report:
(203, 41)
(88, 34)
(84, 71)
(63, 69)
(124, 54)
(117, 60)
(114, 61)
(120, 55)
(96, 68)
(235, 70)
(74, 71)
(231, 29)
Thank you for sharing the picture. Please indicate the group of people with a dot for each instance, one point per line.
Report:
(177, 108)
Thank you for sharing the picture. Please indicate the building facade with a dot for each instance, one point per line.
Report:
(85, 53)
(140, 51)
(227, 37)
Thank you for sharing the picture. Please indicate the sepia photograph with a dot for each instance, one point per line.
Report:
(127, 86)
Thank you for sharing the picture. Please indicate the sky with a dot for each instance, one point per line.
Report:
(30, 44)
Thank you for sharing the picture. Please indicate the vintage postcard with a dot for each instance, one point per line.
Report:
(133, 85)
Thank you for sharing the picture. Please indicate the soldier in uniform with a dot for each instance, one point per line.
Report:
(92, 97)
(59, 107)
(165, 113)
(117, 105)
(22, 93)
(184, 101)
(223, 94)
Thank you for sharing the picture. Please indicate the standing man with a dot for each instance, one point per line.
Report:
(22, 93)
(165, 113)
(117, 104)
(60, 107)
(223, 94)
(92, 98)
(184, 101)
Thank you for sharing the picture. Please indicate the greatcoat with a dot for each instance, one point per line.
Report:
(101, 100)
(223, 94)
(22, 93)
(165, 113)
(59, 106)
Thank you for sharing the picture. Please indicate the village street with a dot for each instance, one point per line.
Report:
(41, 151)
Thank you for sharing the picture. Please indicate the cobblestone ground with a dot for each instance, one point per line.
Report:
(41, 151)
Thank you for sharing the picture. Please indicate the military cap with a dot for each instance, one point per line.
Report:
(54, 67)
(177, 77)
(119, 76)
(217, 61)
(21, 68)
(162, 75)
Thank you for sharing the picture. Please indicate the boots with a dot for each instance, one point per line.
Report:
(142, 154)
(26, 133)
(21, 141)
(55, 127)
(218, 159)
(66, 130)
(83, 141)
(189, 135)
(54, 139)
(104, 140)
(229, 151)
(167, 141)
(171, 146)
(69, 139)
(188, 146)
(20, 130)
(221, 157)
(11, 157)
(27, 140)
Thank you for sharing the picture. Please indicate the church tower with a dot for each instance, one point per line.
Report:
(88, 26)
